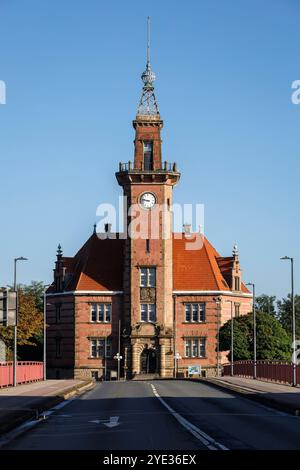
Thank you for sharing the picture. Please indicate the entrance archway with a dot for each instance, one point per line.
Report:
(148, 361)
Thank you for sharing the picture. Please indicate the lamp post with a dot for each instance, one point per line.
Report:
(294, 382)
(21, 258)
(118, 358)
(231, 347)
(44, 331)
(254, 328)
(177, 358)
(218, 303)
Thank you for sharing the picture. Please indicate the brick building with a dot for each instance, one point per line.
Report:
(152, 297)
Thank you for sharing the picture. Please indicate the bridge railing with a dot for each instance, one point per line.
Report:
(277, 371)
(27, 371)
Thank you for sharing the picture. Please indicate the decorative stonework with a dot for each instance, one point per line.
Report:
(147, 294)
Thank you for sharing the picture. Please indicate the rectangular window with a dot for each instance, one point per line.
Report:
(58, 347)
(237, 283)
(187, 312)
(98, 346)
(195, 312)
(187, 348)
(195, 347)
(101, 313)
(148, 155)
(94, 312)
(237, 310)
(148, 312)
(144, 312)
(147, 277)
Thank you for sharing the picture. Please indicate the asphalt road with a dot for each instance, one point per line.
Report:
(161, 415)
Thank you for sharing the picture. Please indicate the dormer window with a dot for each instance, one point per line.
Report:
(148, 155)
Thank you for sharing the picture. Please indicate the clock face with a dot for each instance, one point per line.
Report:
(147, 200)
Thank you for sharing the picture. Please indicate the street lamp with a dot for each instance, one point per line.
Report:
(118, 357)
(231, 352)
(254, 328)
(44, 331)
(177, 358)
(21, 258)
(218, 301)
(293, 319)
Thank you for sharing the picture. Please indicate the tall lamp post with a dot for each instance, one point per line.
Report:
(218, 301)
(177, 358)
(44, 332)
(21, 258)
(231, 347)
(254, 329)
(294, 382)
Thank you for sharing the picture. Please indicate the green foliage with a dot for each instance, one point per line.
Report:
(272, 340)
(285, 314)
(30, 318)
(266, 303)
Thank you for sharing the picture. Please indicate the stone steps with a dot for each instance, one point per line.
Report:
(145, 377)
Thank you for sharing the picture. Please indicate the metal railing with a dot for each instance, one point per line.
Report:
(129, 166)
(27, 371)
(276, 371)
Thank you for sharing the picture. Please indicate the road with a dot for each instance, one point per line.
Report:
(161, 415)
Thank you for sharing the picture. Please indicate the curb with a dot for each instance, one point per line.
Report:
(38, 408)
(254, 395)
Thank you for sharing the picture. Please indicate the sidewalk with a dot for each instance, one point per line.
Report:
(17, 404)
(279, 396)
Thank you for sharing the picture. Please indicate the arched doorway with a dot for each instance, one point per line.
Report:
(148, 360)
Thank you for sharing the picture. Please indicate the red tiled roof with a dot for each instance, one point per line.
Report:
(98, 265)
(196, 270)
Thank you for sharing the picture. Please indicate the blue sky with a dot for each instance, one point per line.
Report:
(224, 73)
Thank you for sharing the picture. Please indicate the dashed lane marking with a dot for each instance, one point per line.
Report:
(204, 438)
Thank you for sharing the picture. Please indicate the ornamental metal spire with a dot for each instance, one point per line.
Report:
(148, 105)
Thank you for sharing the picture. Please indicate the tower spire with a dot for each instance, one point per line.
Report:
(148, 105)
(148, 40)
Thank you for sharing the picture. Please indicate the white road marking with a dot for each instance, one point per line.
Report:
(208, 441)
(111, 423)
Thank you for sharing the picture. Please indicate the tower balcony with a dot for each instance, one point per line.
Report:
(129, 167)
(129, 173)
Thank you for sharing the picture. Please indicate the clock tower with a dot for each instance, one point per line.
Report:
(147, 330)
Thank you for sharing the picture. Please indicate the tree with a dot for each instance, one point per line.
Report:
(273, 343)
(266, 303)
(30, 321)
(285, 314)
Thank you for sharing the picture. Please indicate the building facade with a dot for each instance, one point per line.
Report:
(145, 301)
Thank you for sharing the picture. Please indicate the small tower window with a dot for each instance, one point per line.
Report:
(237, 283)
(148, 155)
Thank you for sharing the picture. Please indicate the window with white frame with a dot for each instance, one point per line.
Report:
(98, 346)
(147, 277)
(148, 313)
(101, 313)
(195, 312)
(195, 347)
